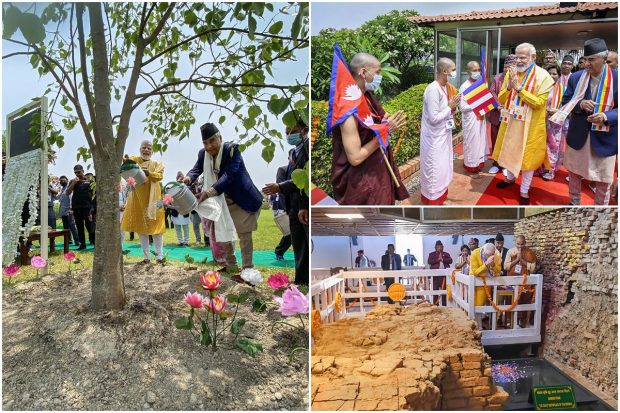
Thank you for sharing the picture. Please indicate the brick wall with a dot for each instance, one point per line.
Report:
(577, 252)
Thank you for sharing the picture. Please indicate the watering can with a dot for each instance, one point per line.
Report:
(133, 170)
(183, 199)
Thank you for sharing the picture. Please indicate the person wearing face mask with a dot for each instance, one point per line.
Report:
(141, 213)
(66, 215)
(494, 116)
(591, 99)
(296, 201)
(521, 141)
(441, 101)
(359, 174)
(474, 126)
(228, 182)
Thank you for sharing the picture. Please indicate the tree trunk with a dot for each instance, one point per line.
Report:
(108, 283)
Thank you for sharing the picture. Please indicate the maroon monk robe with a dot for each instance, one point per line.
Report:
(369, 183)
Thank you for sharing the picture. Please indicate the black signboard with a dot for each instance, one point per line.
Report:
(22, 137)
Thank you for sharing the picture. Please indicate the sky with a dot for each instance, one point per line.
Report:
(21, 83)
(329, 15)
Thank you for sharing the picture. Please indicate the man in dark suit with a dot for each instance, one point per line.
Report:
(296, 201)
(390, 261)
(501, 250)
(279, 204)
(233, 180)
(439, 259)
(592, 138)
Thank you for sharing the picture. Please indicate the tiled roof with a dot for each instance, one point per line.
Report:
(518, 12)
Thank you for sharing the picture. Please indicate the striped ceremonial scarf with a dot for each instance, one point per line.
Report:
(580, 91)
(556, 95)
(604, 97)
(527, 84)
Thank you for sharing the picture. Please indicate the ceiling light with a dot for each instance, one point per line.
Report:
(345, 216)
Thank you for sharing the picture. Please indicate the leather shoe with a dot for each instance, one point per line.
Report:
(504, 184)
(523, 200)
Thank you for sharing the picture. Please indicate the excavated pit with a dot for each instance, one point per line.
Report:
(420, 357)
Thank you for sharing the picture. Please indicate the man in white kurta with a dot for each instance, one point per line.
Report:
(474, 126)
(440, 103)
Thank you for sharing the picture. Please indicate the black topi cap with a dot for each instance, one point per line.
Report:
(208, 130)
(499, 237)
(568, 58)
(438, 243)
(594, 46)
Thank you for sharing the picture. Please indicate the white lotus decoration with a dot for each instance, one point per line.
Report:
(352, 92)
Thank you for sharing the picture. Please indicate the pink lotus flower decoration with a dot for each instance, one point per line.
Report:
(293, 302)
(130, 181)
(278, 280)
(217, 304)
(70, 256)
(211, 280)
(168, 199)
(38, 262)
(195, 300)
(10, 270)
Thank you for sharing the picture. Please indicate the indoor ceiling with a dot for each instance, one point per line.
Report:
(565, 36)
(426, 221)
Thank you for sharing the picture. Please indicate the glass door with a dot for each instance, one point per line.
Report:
(476, 45)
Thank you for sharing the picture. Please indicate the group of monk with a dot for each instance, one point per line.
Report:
(546, 118)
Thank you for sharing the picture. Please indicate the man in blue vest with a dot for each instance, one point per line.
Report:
(592, 138)
(243, 199)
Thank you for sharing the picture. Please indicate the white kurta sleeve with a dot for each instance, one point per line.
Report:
(438, 113)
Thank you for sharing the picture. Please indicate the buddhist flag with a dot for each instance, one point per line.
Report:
(347, 99)
(479, 97)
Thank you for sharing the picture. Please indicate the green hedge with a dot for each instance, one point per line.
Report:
(410, 101)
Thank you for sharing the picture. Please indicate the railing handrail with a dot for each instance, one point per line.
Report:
(324, 284)
(404, 273)
(507, 280)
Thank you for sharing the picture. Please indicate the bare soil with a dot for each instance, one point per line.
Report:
(58, 354)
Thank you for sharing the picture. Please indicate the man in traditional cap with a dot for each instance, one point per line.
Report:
(437, 260)
(360, 174)
(522, 138)
(501, 250)
(612, 59)
(494, 115)
(592, 138)
(225, 174)
(566, 68)
(441, 100)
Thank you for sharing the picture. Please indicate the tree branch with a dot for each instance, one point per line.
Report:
(235, 29)
(160, 24)
(85, 80)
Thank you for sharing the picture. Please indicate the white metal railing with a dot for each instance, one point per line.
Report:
(488, 318)
(323, 295)
(365, 289)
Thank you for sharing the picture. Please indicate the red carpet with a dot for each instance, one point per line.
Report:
(546, 193)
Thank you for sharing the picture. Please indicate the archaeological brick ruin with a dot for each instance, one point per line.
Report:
(420, 357)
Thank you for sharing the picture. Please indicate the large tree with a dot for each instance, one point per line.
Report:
(161, 55)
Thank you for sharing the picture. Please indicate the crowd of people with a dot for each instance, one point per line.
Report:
(491, 259)
(547, 117)
(219, 178)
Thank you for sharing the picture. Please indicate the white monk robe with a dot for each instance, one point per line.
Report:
(436, 145)
(474, 135)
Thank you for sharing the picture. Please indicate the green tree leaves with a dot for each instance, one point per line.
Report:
(29, 24)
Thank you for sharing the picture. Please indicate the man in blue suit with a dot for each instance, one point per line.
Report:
(243, 199)
(592, 138)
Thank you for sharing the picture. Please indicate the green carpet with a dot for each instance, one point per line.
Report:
(176, 253)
